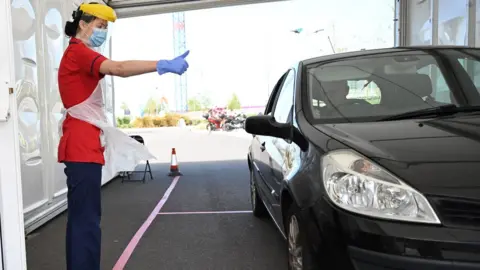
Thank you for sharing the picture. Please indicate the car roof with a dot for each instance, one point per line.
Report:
(339, 56)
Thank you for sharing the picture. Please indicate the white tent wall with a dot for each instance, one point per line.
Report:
(38, 45)
(441, 22)
(11, 206)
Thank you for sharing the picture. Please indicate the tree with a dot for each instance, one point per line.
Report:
(234, 103)
(194, 104)
(205, 101)
(150, 107)
(199, 102)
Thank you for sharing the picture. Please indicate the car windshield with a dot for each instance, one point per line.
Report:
(373, 87)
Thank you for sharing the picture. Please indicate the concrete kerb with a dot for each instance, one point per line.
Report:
(236, 133)
(148, 130)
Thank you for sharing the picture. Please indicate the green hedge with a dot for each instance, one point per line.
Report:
(169, 120)
(124, 122)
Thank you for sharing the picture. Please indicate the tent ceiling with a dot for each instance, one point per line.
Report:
(135, 8)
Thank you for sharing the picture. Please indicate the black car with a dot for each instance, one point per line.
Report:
(371, 160)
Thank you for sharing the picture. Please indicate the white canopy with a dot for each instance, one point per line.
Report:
(134, 8)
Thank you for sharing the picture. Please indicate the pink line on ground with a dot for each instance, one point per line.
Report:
(204, 212)
(122, 261)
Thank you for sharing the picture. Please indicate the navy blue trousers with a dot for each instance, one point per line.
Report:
(83, 241)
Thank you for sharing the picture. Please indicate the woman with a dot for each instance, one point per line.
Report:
(85, 132)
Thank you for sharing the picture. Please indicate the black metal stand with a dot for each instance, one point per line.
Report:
(126, 176)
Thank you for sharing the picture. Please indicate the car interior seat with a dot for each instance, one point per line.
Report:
(321, 92)
(406, 91)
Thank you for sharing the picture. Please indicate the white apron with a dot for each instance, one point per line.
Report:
(122, 153)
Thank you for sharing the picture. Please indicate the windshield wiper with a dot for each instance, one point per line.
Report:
(434, 111)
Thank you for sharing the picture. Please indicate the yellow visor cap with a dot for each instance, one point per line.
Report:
(100, 11)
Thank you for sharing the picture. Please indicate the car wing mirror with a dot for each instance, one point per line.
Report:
(267, 126)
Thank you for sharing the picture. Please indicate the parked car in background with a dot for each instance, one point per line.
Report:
(371, 160)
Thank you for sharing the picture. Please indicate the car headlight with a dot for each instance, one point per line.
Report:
(356, 184)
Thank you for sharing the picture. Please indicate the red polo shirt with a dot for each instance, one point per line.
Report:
(78, 76)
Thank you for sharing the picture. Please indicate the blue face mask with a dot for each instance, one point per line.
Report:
(98, 37)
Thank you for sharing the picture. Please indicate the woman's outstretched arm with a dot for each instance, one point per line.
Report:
(127, 68)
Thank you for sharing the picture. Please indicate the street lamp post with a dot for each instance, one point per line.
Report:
(300, 30)
(329, 39)
(331, 45)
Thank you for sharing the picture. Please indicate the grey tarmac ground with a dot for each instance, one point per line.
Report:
(204, 223)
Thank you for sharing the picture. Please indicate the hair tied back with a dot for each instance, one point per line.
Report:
(71, 27)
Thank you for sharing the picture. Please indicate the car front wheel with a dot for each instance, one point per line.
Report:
(258, 207)
(298, 246)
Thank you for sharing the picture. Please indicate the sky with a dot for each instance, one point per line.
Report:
(244, 49)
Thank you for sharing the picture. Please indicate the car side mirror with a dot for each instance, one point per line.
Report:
(267, 126)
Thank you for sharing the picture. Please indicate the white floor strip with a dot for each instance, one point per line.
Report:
(204, 212)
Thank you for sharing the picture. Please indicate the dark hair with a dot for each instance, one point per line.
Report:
(78, 15)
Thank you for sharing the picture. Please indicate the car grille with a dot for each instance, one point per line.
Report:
(458, 213)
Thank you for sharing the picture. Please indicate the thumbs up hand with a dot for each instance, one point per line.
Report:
(178, 65)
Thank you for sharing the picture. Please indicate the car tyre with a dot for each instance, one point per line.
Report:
(299, 249)
(258, 208)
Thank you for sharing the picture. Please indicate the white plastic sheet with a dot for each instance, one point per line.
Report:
(122, 153)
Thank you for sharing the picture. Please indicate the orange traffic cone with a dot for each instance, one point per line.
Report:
(174, 165)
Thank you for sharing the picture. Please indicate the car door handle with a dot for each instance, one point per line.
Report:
(262, 147)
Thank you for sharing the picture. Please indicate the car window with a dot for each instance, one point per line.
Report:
(284, 102)
(401, 82)
(364, 89)
(273, 96)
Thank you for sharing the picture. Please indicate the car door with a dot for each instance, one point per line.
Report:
(280, 159)
(261, 145)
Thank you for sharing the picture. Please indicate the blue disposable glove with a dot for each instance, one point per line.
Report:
(177, 65)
